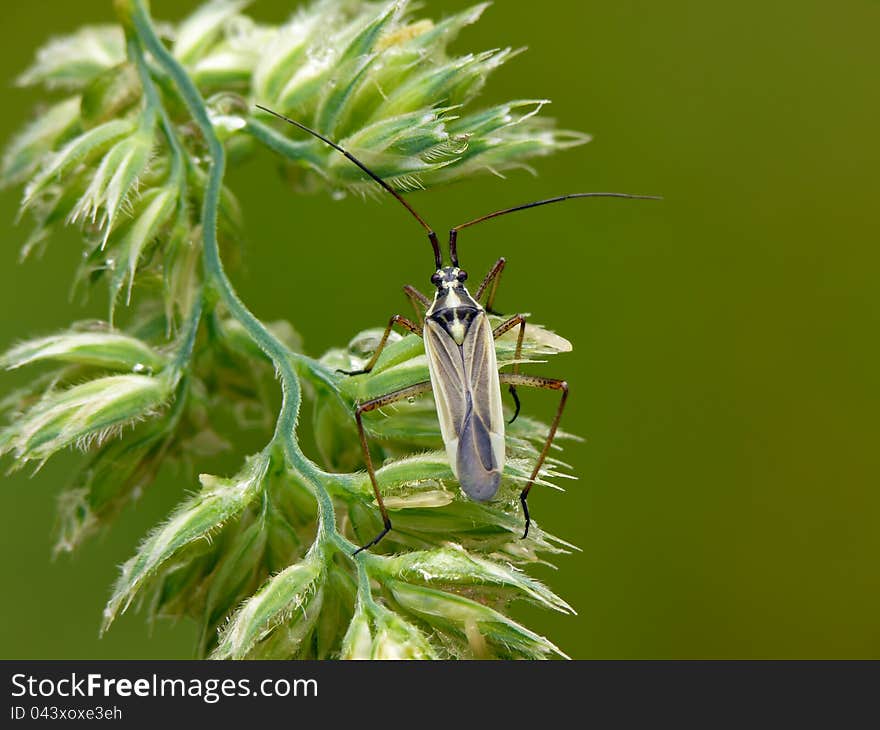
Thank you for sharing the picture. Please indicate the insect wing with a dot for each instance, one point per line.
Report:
(467, 393)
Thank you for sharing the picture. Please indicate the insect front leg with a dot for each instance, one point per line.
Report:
(372, 405)
(545, 384)
(493, 278)
(417, 299)
(396, 319)
(516, 320)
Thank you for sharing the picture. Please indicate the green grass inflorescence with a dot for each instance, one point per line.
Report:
(134, 154)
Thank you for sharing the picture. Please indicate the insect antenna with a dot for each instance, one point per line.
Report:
(432, 237)
(453, 234)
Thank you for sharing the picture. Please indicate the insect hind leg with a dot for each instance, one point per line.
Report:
(366, 407)
(544, 384)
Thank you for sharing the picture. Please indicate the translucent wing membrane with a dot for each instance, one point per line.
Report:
(467, 394)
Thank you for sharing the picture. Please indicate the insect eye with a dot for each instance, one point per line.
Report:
(435, 279)
(462, 275)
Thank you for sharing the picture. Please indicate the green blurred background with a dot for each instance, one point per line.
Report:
(726, 340)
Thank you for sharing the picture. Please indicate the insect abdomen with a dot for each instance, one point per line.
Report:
(479, 472)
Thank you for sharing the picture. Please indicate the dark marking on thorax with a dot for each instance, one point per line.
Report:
(456, 321)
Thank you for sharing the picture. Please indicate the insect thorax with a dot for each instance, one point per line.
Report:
(456, 321)
(455, 310)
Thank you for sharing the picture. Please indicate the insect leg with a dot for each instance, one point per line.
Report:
(545, 384)
(372, 405)
(396, 319)
(493, 278)
(417, 298)
(517, 319)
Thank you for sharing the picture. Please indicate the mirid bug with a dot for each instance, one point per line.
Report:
(460, 348)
